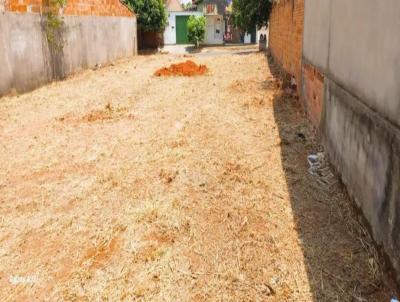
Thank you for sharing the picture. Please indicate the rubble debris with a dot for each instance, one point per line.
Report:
(320, 168)
(316, 162)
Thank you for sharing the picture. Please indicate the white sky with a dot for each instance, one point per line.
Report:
(185, 1)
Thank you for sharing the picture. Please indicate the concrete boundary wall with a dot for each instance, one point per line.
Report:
(28, 60)
(351, 89)
(365, 148)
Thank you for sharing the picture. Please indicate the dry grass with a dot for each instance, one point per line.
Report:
(116, 185)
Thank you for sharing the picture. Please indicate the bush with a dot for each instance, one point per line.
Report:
(151, 14)
(196, 29)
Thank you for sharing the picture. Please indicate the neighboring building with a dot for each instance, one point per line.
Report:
(232, 33)
(347, 70)
(173, 5)
(176, 30)
(215, 25)
(217, 15)
(219, 5)
(93, 32)
(219, 25)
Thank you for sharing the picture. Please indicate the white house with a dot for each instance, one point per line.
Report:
(176, 30)
(215, 26)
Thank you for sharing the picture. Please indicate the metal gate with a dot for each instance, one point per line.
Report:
(182, 30)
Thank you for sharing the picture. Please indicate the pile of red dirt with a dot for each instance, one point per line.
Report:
(188, 69)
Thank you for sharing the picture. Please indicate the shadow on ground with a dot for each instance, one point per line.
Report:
(341, 260)
(210, 50)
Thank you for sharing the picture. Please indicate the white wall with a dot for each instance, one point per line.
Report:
(170, 30)
(214, 23)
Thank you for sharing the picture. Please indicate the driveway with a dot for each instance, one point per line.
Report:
(117, 185)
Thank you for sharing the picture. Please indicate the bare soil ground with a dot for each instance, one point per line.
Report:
(116, 185)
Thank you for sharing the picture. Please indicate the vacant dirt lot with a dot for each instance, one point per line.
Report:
(116, 185)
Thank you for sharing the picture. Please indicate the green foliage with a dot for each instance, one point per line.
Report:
(247, 14)
(186, 6)
(151, 14)
(61, 3)
(196, 29)
(53, 21)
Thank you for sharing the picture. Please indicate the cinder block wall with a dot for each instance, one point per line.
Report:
(350, 86)
(93, 32)
(286, 35)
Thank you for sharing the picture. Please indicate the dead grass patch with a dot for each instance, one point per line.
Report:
(203, 196)
(109, 113)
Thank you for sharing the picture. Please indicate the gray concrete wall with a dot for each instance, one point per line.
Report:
(365, 148)
(356, 45)
(317, 16)
(28, 60)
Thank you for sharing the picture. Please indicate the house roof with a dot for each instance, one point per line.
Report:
(173, 5)
(220, 4)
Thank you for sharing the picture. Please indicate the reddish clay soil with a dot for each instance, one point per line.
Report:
(187, 69)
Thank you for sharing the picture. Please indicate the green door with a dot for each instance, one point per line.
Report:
(181, 30)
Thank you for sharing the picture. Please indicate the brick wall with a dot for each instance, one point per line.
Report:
(73, 7)
(286, 35)
(313, 93)
(286, 44)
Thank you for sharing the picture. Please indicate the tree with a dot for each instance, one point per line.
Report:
(196, 29)
(247, 14)
(151, 14)
(186, 6)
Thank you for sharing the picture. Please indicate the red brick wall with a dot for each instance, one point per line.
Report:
(286, 35)
(313, 93)
(74, 7)
(286, 44)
